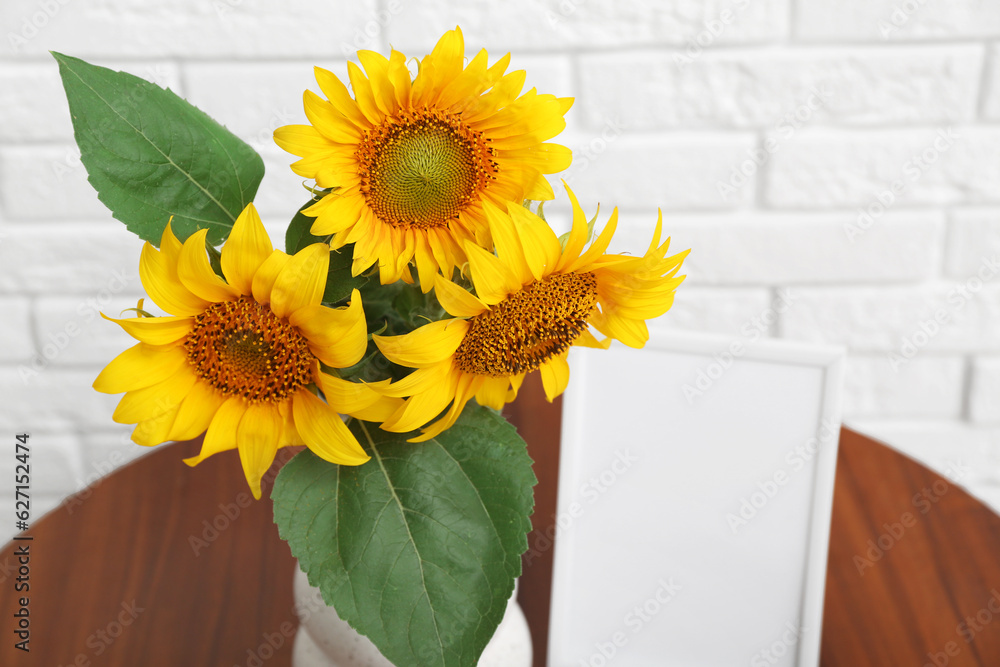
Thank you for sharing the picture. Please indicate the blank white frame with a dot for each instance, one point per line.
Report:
(808, 374)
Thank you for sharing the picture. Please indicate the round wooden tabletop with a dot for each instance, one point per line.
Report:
(161, 564)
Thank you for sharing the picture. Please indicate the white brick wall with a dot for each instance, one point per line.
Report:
(843, 152)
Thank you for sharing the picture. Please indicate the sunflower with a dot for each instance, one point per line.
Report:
(412, 163)
(238, 356)
(534, 300)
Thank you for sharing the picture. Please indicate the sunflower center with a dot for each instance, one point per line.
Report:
(242, 348)
(529, 327)
(423, 168)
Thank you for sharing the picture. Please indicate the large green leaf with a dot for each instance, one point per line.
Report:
(418, 548)
(150, 154)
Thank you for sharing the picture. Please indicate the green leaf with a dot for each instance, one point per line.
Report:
(150, 154)
(298, 234)
(418, 548)
(339, 281)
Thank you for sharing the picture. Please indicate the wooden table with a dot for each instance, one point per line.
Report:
(163, 565)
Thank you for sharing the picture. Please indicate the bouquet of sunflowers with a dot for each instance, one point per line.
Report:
(414, 279)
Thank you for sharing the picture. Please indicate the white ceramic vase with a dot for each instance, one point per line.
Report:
(324, 640)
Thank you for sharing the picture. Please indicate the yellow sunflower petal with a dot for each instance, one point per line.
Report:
(502, 94)
(468, 386)
(196, 411)
(324, 431)
(493, 393)
(158, 273)
(496, 70)
(637, 303)
(195, 271)
(155, 430)
(155, 330)
(399, 76)
(526, 123)
(289, 434)
(340, 97)
(377, 67)
(633, 333)
(515, 386)
(443, 64)
(247, 248)
(444, 247)
(540, 244)
(587, 339)
(536, 187)
(363, 93)
(418, 381)
(456, 300)
(335, 213)
(469, 83)
(301, 281)
(257, 440)
(598, 247)
(141, 404)
(342, 332)
(221, 434)
(327, 121)
(493, 280)
(357, 398)
(263, 280)
(547, 158)
(508, 243)
(140, 366)
(170, 245)
(555, 376)
(578, 234)
(654, 243)
(301, 140)
(428, 345)
(425, 405)
(378, 411)
(427, 267)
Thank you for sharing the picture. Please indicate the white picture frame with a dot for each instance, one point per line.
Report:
(695, 495)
